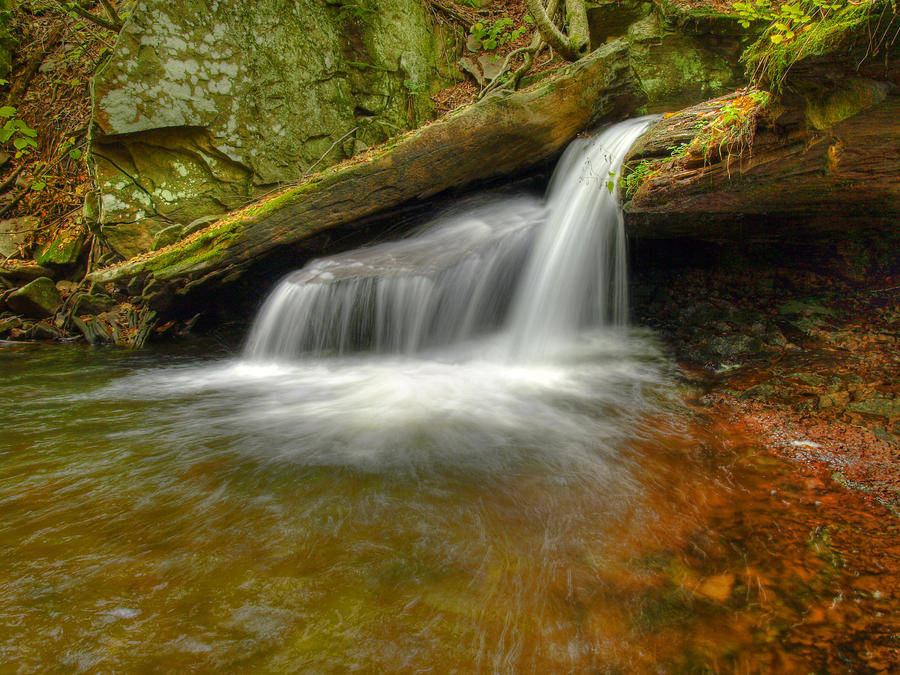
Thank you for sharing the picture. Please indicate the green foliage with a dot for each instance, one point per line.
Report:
(639, 175)
(68, 146)
(497, 34)
(17, 131)
(797, 28)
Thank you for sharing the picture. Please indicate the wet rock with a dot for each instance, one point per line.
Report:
(732, 346)
(38, 299)
(9, 323)
(675, 68)
(838, 399)
(809, 379)
(763, 390)
(716, 588)
(88, 303)
(45, 331)
(66, 288)
(878, 406)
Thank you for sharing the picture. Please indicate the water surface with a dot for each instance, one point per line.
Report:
(164, 511)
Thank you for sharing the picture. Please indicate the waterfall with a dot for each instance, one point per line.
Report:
(539, 270)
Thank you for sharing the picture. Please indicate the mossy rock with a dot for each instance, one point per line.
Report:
(38, 299)
(676, 69)
(63, 250)
(205, 106)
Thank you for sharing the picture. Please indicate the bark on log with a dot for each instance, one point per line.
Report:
(502, 133)
(794, 180)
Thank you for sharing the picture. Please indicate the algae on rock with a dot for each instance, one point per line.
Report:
(204, 105)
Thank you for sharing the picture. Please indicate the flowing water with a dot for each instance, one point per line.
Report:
(446, 454)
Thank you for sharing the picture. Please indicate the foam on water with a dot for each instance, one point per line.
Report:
(490, 340)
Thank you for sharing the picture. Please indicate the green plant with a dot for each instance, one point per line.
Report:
(490, 36)
(788, 18)
(679, 151)
(732, 129)
(797, 28)
(639, 175)
(17, 131)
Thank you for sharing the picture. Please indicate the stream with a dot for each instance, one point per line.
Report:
(445, 454)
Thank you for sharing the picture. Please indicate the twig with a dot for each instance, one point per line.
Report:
(15, 200)
(17, 91)
(113, 14)
(12, 177)
(84, 14)
(308, 171)
(458, 13)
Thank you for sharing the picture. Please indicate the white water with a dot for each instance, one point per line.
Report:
(491, 341)
(542, 270)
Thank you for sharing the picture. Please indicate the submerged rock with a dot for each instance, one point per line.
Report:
(38, 299)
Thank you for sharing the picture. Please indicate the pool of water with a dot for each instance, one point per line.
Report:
(171, 510)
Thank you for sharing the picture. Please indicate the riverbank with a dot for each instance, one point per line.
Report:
(799, 346)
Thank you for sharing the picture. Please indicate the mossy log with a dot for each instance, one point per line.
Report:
(500, 134)
(823, 156)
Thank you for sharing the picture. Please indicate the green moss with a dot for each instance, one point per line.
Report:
(854, 96)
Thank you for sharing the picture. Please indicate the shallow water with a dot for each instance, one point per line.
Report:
(170, 511)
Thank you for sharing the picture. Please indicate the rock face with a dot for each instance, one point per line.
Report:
(680, 56)
(205, 103)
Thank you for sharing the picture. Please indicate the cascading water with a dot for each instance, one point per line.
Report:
(490, 340)
(542, 270)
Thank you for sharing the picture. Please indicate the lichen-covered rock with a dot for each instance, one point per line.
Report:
(676, 68)
(206, 103)
(38, 300)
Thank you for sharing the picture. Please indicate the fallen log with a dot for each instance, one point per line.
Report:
(500, 134)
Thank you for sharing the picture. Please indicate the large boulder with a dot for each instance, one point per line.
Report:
(207, 105)
(38, 300)
(680, 55)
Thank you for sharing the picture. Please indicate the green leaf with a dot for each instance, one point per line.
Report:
(528, 19)
(7, 111)
(489, 44)
(776, 39)
(5, 134)
(610, 185)
(75, 153)
(22, 143)
(780, 26)
(38, 185)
